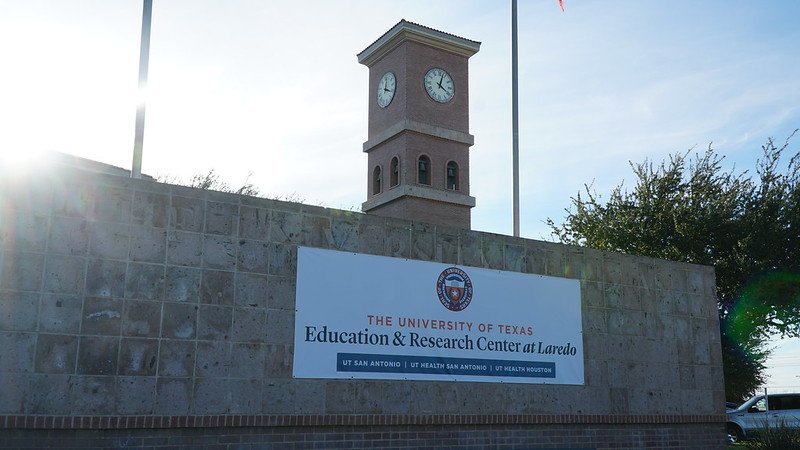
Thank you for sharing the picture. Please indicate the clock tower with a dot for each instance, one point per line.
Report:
(418, 134)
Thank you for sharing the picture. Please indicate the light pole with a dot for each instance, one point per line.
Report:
(144, 58)
(515, 116)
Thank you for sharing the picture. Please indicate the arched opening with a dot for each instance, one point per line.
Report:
(394, 175)
(376, 180)
(452, 176)
(424, 170)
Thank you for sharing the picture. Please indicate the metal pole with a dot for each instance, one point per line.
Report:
(515, 113)
(144, 59)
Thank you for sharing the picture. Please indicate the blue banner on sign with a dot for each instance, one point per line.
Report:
(364, 362)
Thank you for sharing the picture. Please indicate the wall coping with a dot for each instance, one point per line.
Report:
(291, 420)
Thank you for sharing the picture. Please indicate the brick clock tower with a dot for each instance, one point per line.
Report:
(418, 134)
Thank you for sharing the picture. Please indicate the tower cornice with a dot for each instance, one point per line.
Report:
(406, 190)
(418, 127)
(409, 31)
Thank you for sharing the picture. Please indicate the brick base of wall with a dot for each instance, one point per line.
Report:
(529, 434)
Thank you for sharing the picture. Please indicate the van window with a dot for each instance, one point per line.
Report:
(783, 402)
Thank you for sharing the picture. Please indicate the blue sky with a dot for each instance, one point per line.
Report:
(272, 90)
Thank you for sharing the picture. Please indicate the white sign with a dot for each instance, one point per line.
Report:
(374, 317)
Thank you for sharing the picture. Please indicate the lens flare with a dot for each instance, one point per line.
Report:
(775, 295)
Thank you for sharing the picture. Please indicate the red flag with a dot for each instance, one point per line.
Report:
(561, 4)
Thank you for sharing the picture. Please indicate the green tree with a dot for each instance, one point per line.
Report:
(692, 210)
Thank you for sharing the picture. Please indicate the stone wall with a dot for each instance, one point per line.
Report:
(123, 299)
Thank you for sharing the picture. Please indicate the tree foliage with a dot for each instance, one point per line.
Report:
(747, 227)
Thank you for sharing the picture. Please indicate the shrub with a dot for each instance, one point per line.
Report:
(776, 437)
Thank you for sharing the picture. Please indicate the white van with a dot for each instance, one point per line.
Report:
(772, 410)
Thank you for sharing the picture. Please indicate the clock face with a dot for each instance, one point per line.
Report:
(439, 85)
(386, 88)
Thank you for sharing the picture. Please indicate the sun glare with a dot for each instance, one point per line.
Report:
(10, 159)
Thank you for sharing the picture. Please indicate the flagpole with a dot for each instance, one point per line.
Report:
(144, 59)
(515, 115)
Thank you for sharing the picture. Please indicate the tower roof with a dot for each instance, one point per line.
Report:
(410, 31)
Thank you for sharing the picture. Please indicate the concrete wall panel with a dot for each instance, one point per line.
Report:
(132, 297)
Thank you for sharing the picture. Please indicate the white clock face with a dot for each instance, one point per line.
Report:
(386, 88)
(439, 85)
